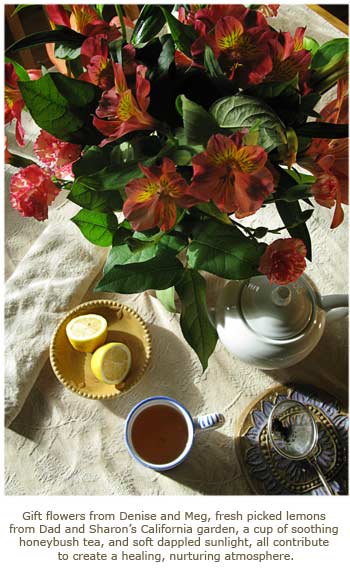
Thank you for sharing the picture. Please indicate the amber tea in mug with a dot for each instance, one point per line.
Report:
(159, 431)
(159, 434)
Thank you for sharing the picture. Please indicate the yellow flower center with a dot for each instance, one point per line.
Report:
(125, 108)
(166, 188)
(238, 47)
(150, 189)
(234, 160)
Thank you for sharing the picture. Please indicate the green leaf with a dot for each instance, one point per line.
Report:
(61, 34)
(307, 104)
(21, 72)
(329, 57)
(150, 21)
(167, 298)
(310, 44)
(19, 8)
(95, 200)
(270, 90)
(224, 251)
(122, 234)
(299, 177)
(111, 179)
(93, 160)
(183, 35)
(194, 320)
(63, 107)
(211, 210)
(120, 255)
(237, 112)
(75, 67)
(298, 192)
(211, 63)
(97, 227)
(323, 130)
(199, 125)
(66, 51)
(158, 273)
(173, 241)
(290, 213)
(166, 57)
(99, 9)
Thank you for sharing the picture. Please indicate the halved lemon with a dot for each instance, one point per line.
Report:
(87, 332)
(111, 363)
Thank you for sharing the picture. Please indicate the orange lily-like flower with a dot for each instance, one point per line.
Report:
(119, 112)
(232, 175)
(152, 201)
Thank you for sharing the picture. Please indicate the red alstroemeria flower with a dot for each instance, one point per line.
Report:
(129, 59)
(94, 57)
(288, 56)
(332, 183)
(83, 18)
(242, 51)
(32, 191)
(119, 112)
(205, 18)
(232, 175)
(57, 155)
(152, 201)
(328, 159)
(337, 111)
(211, 14)
(269, 10)
(284, 260)
(14, 102)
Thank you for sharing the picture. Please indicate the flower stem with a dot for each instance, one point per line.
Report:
(247, 229)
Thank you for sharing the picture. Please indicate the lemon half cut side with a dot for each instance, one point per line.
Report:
(111, 363)
(87, 332)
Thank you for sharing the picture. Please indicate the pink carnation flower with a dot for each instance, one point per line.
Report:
(32, 191)
(57, 155)
(284, 260)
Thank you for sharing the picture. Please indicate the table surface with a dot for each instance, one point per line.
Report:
(61, 443)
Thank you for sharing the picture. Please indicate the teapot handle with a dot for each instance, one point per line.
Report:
(332, 302)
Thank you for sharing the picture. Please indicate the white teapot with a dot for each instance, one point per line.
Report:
(271, 326)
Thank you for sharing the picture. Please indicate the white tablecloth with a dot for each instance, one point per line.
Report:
(60, 443)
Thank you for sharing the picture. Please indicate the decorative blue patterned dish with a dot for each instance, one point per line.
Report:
(270, 473)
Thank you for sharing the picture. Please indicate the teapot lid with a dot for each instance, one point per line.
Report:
(276, 312)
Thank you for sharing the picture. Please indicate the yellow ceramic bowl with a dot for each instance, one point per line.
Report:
(72, 368)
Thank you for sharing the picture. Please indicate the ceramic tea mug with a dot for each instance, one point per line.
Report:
(159, 431)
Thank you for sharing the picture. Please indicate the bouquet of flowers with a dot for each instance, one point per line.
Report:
(169, 130)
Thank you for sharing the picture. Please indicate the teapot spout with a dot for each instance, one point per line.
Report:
(336, 306)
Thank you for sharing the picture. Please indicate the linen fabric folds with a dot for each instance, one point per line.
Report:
(53, 277)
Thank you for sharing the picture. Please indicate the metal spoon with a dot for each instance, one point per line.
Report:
(293, 433)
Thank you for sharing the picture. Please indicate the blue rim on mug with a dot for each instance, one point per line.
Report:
(190, 426)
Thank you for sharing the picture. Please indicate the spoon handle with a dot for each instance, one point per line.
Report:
(327, 487)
